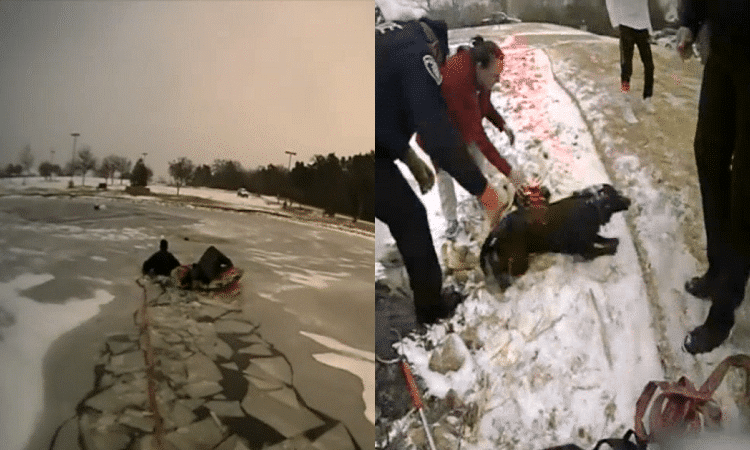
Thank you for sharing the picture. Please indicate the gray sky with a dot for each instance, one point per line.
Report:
(208, 80)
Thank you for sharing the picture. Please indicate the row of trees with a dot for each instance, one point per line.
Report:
(589, 14)
(338, 185)
(84, 161)
(26, 159)
(345, 186)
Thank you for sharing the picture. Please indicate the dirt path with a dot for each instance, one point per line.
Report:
(616, 133)
(663, 141)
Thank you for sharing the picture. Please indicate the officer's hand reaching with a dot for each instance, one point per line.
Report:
(494, 204)
(420, 170)
(685, 42)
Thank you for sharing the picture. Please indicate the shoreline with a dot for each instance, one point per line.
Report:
(192, 198)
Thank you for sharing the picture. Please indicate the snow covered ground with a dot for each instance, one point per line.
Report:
(262, 203)
(563, 354)
(61, 183)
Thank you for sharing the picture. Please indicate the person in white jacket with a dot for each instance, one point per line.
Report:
(632, 19)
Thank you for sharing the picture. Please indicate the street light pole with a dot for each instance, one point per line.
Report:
(289, 169)
(73, 159)
(290, 159)
(52, 163)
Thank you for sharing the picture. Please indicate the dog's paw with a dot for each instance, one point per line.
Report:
(604, 246)
(612, 245)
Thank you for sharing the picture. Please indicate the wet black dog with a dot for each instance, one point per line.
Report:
(211, 265)
(569, 226)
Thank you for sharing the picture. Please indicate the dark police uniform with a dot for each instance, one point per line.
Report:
(722, 156)
(161, 262)
(408, 100)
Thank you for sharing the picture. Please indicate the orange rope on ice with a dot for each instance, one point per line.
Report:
(148, 356)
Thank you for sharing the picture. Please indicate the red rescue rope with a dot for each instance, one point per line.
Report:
(680, 407)
(150, 360)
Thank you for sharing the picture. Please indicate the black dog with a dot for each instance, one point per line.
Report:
(569, 226)
(212, 264)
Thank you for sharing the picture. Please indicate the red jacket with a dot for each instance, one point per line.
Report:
(467, 107)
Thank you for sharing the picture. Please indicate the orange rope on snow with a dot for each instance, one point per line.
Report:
(681, 407)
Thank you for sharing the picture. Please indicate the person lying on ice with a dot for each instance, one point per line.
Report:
(211, 265)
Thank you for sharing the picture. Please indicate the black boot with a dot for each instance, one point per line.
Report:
(702, 286)
(451, 298)
(714, 330)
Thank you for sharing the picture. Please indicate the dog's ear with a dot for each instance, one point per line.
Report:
(610, 191)
(617, 201)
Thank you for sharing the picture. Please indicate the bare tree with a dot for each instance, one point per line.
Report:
(181, 170)
(27, 159)
(123, 165)
(85, 161)
(108, 168)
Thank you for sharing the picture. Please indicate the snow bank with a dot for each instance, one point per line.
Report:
(23, 346)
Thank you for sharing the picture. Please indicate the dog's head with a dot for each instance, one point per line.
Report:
(504, 253)
(608, 201)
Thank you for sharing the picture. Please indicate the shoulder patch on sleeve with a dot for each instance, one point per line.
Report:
(432, 68)
(384, 27)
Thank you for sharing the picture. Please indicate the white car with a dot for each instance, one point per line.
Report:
(499, 18)
(242, 192)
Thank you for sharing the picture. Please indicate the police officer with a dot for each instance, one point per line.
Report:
(722, 157)
(408, 56)
(160, 263)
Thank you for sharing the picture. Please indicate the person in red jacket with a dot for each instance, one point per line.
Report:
(468, 77)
